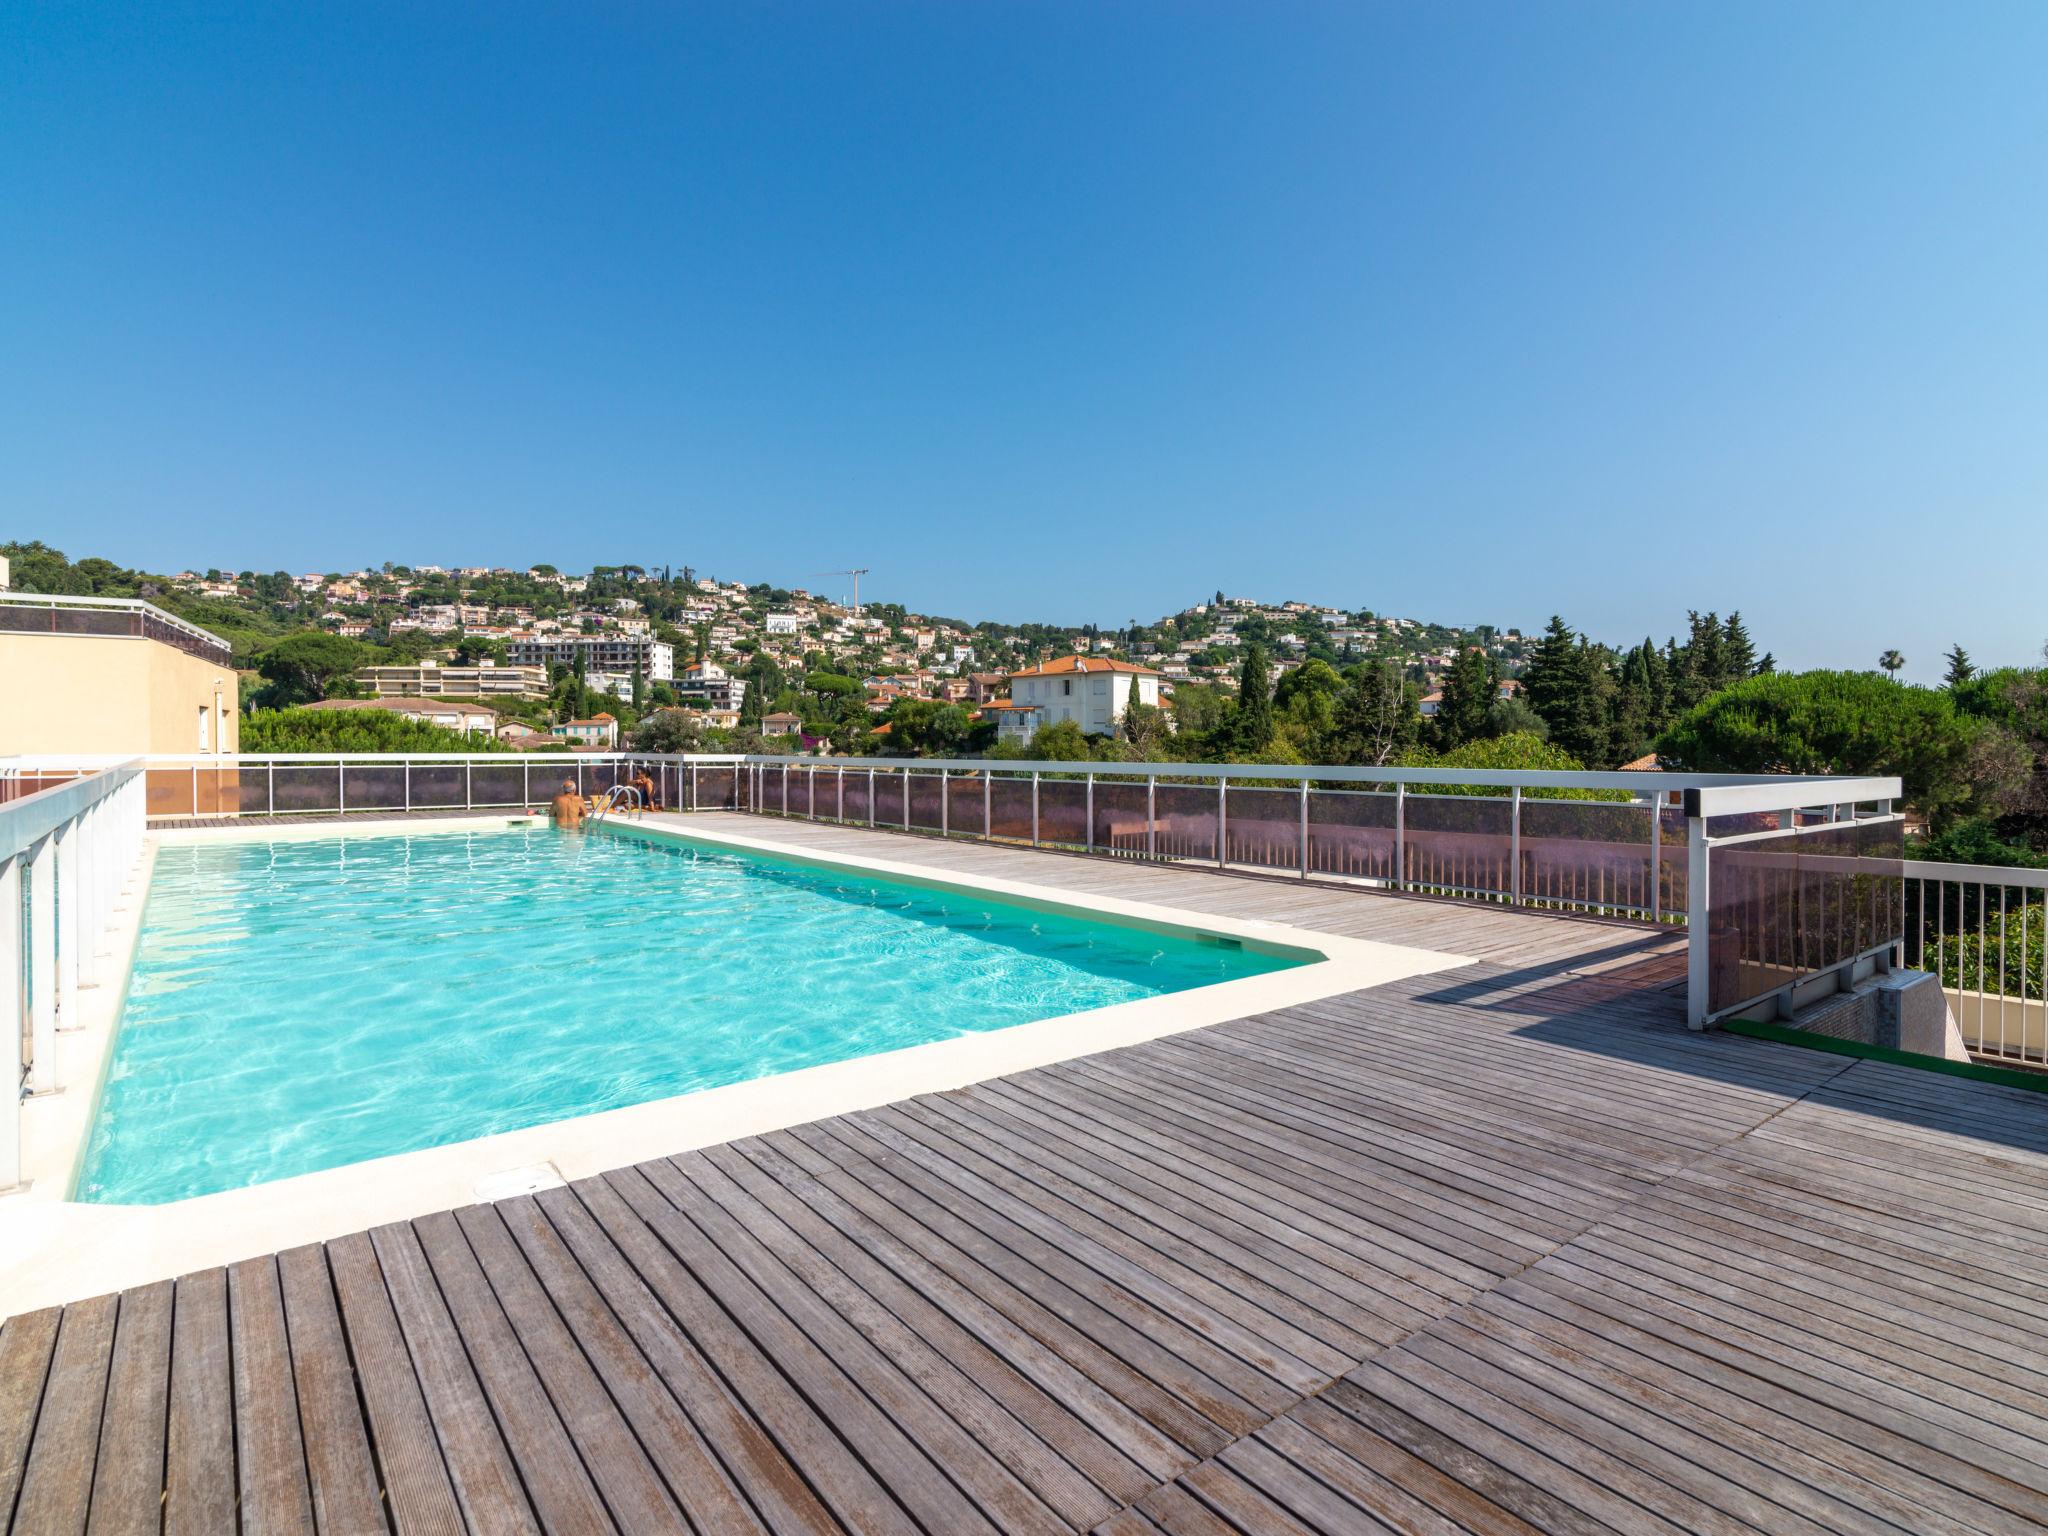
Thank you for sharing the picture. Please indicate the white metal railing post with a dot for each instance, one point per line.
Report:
(906, 798)
(1034, 808)
(11, 1022)
(1515, 847)
(1400, 836)
(341, 788)
(841, 801)
(1151, 815)
(871, 799)
(69, 926)
(1657, 857)
(405, 769)
(1088, 836)
(1698, 931)
(468, 787)
(945, 802)
(1222, 820)
(693, 786)
(270, 789)
(42, 966)
(1304, 828)
(988, 800)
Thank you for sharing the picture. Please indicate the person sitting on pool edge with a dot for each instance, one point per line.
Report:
(568, 806)
(645, 785)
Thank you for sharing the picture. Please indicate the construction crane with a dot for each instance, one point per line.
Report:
(856, 575)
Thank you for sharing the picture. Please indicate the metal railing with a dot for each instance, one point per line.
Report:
(1786, 884)
(1984, 930)
(56, 613)
(1796, 890)
(65, 851)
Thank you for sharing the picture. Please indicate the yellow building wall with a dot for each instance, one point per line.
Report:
(111, 693)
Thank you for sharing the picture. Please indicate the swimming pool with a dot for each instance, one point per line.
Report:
(301, 1004)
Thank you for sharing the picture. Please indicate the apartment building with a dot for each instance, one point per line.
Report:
(654, 659)
(707, 683)
(432, 680)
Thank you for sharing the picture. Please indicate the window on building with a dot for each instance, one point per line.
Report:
(1066, 685)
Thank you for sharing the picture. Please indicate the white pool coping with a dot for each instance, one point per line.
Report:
(54, 1249)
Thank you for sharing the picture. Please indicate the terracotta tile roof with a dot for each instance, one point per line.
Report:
(1067, 664)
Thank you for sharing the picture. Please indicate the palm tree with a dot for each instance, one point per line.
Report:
(1891, 661)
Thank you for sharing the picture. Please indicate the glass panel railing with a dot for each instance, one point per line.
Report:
(1262, 828)
(1010, 809)
(1186, 821)
(1121, 821)
(1459, 845)
(1587, 855)
(1063, 812)
(1351, 833)
(1783, 908)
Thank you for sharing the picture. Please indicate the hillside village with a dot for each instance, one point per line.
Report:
(701, 644)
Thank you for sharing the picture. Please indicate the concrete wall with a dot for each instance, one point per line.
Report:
(111, 693)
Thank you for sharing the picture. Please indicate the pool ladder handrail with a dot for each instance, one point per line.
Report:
(613, 798)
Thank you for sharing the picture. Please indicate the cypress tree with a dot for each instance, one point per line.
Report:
(1254, 702)
(1467, 699)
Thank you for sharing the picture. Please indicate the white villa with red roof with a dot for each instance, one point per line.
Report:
(1091, 691)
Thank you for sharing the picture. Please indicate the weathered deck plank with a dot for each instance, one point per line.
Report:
(1498, 1250)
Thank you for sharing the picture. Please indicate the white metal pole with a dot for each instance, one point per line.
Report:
(1657, 857)
(11, 1022)
(1151, 815)
(70, 912)
(1222, 820)
(1089, 840)
(1034, 809)
(1400, 836)
(1515, 848)
(42, 966)
(1697, 930)
(1304, 829)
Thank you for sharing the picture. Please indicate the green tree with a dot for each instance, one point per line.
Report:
(1377, 717)
(1738, 654)
(1254, 725)
(1467, 700)
(668, 730)
(309, 666)
(1834, 722)
(1060, 742)
(353, 730)
(1891, 661)
(1960, 670)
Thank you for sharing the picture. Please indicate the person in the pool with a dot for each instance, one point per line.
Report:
(645, 785)
(568, 807)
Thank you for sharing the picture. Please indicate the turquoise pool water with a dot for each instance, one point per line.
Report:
(301, 1004)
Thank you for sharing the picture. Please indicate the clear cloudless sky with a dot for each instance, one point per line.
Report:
(1072, 311)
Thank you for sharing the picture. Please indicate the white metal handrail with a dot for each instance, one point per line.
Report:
(1983, 929)
(65, 852)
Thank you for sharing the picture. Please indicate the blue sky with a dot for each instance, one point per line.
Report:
(1076, 311)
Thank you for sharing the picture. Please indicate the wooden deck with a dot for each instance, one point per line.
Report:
(1499, 1249)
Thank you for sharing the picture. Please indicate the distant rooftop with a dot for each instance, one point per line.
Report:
(55, 613)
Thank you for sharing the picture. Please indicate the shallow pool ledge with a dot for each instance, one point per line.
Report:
(53, 1249)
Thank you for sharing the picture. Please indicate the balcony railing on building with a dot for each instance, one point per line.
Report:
(63, 614)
